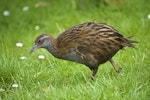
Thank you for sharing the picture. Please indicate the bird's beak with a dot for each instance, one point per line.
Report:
(33, 48)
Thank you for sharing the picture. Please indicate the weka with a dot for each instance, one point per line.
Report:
(89, 43)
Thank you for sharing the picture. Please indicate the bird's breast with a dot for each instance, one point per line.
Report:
(75, 57)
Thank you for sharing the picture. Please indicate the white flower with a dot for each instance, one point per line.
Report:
(15, 85)
(41, 57)
(37, 27)
(148, 16)
(6, 13)
(25, 8)
(23, 58)
(19, 44)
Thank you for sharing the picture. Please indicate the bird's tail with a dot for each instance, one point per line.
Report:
(129, 42)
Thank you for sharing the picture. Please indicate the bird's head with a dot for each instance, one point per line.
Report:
(42, 41)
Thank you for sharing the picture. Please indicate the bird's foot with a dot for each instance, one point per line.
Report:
(119, 70)
(91, 79)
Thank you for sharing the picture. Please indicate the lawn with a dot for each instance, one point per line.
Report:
(26, 77)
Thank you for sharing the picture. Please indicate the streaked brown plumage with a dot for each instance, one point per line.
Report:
(89, 43)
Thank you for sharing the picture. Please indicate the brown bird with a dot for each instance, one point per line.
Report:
(89, 43)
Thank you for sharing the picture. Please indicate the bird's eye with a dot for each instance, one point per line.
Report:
(39, 41)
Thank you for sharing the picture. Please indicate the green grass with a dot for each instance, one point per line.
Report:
(56, 79)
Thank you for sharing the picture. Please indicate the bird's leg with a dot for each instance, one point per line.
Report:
(94, 71)
(117, 69)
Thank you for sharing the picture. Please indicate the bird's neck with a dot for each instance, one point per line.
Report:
(52, 47)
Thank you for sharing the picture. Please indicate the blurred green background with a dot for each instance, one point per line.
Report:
(32, 78)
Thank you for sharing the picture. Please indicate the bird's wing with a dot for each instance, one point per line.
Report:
(86, 34)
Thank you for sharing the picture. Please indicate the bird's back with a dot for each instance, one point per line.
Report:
(93, 43)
